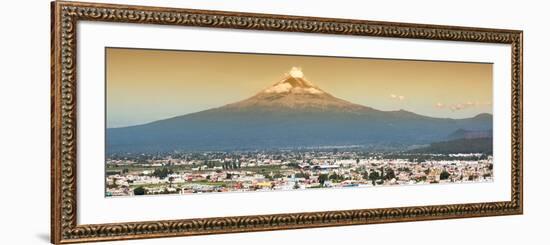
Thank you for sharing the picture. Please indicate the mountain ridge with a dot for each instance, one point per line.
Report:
(291, 113)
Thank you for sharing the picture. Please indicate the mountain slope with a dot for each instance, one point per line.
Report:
(464, 145)
(470, 134)
(296, 93)
(291, 113)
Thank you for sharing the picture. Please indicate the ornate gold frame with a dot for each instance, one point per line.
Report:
(65, 16)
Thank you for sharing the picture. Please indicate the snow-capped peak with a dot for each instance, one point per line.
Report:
(294, 82)
(296, 72)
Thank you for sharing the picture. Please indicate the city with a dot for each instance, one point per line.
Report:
(215, 172)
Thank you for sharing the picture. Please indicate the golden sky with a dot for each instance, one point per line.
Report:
(148, 85)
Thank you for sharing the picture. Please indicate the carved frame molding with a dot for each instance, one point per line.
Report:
(66, 15)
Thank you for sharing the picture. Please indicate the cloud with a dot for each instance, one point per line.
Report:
(461, 106)
(397, 97)
(458, 107)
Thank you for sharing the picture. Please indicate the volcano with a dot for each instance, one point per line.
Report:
(292, 113)
(294, 92)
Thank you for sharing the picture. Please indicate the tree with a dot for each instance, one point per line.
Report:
(390, 174)
(322, 179)
(373, 176)
(366, 175)
(335, 177)
(444, 175)
(277, 176)
(404, 169)
(140, 191)
(162, 172)
(170, 180)
(301, 175)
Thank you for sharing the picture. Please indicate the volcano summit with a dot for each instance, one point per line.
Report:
(294, 92)
(292, 113)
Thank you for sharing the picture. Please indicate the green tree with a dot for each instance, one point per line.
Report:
(301, 175)
(444, 175)
(365, 175)
(140, 191)
(170, 180)
(162, 172)
(373, 176)
(335, 177)
(404, 169)
(390, 174)
(322, 179)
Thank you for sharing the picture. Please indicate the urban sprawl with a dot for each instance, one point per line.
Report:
(206, 172)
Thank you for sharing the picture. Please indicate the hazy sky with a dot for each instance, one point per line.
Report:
(148, 85)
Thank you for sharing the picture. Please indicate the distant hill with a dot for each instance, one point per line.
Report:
(470, 134)
(291, 113)
(473, 145)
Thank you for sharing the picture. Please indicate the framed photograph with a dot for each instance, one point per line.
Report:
(176, 122)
